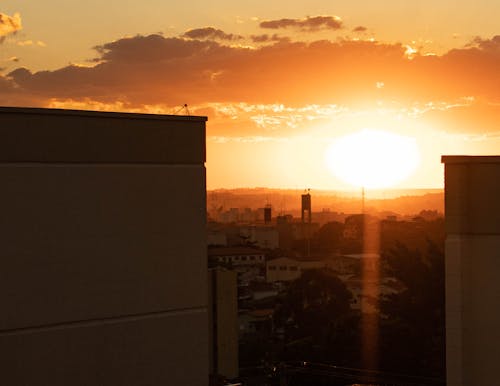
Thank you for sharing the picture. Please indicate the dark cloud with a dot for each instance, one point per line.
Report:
(360, 28)
(9, 25)
(11, 95)
(210, 33)
(265, 38)
(151, 48)
(6, 85)
(491, 45)
(309, 24)
(147, 70)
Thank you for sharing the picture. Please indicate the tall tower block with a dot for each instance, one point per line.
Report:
(472, 208)
(306, 221)
(306, 208)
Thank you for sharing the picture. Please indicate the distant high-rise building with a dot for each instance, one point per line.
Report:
(472, 210)
(306, 217)
(306, 208)
(268, 214)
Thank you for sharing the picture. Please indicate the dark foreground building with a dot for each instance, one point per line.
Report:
(472, 192)
(102, 255)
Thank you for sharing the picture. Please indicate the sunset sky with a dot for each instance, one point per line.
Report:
(280, 81)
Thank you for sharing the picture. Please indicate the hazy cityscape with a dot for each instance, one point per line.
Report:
(302, 298)
(253, 193)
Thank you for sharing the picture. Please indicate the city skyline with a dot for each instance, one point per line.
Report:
(279, 84)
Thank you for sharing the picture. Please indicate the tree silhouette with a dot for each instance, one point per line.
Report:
(413, 329)
(317, 318)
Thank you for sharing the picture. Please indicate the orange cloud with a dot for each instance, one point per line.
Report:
(9, 25)
(360, 28)
(153, 70)
(210, 33)
(265, 38)
(25, 43)
(309, 24)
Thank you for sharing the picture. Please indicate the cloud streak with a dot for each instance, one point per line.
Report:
(360, 28)
(210, 33)
(309, 24)
(266, 38)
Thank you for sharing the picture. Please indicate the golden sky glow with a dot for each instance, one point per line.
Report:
(280, 82)
(373, 158)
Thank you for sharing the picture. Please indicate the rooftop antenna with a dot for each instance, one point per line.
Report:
(183, 107)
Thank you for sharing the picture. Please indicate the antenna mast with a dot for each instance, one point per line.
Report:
(183, 107)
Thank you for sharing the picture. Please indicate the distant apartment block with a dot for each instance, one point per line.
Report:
(472, 205)
(103, 274)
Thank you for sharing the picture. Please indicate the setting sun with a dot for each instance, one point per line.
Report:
(373, 158)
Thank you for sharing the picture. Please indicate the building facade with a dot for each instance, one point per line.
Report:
(237, 256)
(103, 272)
(472, 211)
(288, 269)
(223, 322)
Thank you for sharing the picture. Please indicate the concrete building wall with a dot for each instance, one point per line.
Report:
(223, 318)
(216, 238)
(472, 191)
(282, 269)
(103, 253)
(264, 237)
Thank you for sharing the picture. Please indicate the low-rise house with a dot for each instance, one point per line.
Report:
(288, 269)
(237, 256)
(262, 236)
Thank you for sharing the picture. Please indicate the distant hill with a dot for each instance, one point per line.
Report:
(404, 202)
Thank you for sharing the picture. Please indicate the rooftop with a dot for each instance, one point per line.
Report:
(41, 135)
(99, 114)
(468, 159)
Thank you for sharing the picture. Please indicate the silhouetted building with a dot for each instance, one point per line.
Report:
(223, 322)
(288, 269)
(216, 238)
(103, 254)
(268, 214)
(306, 221)
(305, 209)
(472, 210)
(285, 231)
(261, 236)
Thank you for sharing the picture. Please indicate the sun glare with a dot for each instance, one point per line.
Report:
(373, 158)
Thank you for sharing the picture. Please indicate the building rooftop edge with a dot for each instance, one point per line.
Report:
(470, 159)
(93, 113)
